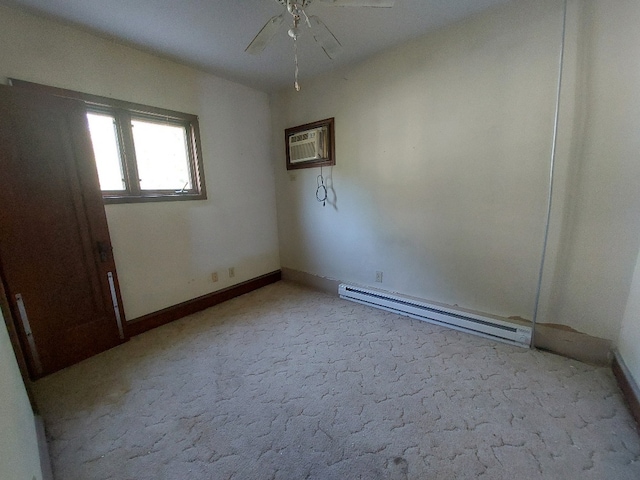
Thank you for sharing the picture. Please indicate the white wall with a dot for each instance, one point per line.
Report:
(619, 122)
(19, 457)
(600, 235)
(443, 149)
(629, 339)
(165, 252)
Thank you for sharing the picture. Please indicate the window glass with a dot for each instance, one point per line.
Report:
(162, 155)
(104, 137)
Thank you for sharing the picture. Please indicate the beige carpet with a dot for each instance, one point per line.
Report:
(288, 383)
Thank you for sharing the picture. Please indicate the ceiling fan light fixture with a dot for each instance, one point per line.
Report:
(294, 32)
(294, 8)
(321, 33)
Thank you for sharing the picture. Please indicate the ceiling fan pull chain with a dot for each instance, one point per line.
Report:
(295, 58)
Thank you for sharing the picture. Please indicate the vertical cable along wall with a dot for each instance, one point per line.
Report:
(554, 143)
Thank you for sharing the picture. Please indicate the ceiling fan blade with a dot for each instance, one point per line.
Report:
(323, 36)
(265, 35)
(360, 3)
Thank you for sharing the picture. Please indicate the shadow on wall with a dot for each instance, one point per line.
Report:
(331, 195)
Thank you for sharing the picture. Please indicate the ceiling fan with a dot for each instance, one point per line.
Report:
(321, 33)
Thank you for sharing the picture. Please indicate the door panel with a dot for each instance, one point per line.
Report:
(51, 220)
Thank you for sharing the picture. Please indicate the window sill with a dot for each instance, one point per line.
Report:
(109, 199)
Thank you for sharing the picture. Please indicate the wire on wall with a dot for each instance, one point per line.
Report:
(551, 171)
(321, 191)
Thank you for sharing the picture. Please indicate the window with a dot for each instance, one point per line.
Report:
(142, 153)
(145, 156)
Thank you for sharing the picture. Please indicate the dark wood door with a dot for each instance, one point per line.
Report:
(55, 252)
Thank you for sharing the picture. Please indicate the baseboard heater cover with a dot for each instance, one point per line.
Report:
(501, 330)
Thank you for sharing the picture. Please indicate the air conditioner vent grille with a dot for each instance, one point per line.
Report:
(304, 151)
(307, 145)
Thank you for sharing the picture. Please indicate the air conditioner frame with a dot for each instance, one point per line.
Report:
(311, 145)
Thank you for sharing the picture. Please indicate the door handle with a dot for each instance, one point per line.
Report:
(104, 250)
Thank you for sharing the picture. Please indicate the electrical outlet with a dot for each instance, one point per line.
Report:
(379, 277)
(214, 277)
(232, 272)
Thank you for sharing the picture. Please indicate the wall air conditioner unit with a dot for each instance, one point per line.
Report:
(508, 331)
(307, 145)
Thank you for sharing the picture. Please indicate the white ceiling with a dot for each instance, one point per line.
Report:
(213, 34)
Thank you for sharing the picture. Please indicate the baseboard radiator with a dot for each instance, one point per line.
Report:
(502, 330)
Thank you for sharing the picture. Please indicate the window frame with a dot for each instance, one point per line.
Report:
(123, 112)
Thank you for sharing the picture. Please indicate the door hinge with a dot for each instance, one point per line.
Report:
(27, 330)
(116, 308)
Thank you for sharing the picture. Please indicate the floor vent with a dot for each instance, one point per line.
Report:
(507, 331)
